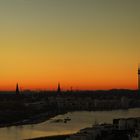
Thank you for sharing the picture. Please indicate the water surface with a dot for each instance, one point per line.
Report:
(78, 121)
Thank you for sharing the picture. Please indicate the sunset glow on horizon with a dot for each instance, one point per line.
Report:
(83, 44)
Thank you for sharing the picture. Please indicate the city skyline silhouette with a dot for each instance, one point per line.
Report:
(70, 69)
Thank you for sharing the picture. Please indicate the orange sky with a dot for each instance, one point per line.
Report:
(82, 44)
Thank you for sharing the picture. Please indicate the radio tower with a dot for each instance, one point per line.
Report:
(138, 78)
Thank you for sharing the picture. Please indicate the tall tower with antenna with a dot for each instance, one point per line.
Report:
(138, 78)
(17, 89)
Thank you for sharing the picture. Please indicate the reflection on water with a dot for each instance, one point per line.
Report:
(78, 121)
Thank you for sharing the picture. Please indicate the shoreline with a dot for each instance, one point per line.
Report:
(35, 120)
(56, 137)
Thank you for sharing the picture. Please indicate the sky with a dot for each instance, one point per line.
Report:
(83, 44)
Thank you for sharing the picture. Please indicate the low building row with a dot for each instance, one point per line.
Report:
(121, 129)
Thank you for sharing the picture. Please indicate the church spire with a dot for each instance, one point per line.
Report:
(58, 88)
(17, 89)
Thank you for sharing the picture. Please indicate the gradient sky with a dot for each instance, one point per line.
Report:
(86, 44)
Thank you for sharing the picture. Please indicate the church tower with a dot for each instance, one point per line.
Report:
(58, 88)
(17, 89)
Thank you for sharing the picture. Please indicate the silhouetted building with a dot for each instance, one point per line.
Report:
(58, 88)
(17, 89)
(139, 78)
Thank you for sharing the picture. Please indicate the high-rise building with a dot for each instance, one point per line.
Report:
(17, 89)
(139, 78)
